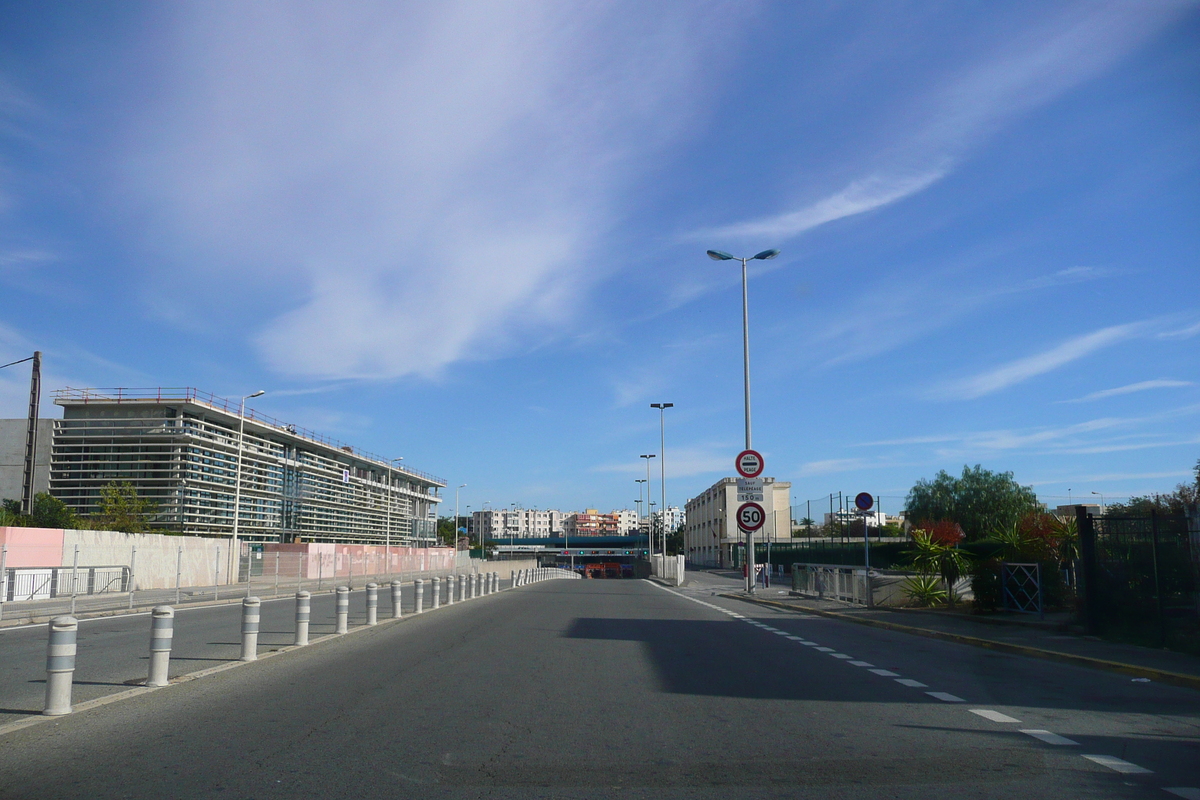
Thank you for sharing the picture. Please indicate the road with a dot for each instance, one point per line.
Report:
(624, 689)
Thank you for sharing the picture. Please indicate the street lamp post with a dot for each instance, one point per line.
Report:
(662, 467)
(1102, 506)
(649, 516)
(639, 482)
(234, 555)
(387, 547)
(765, 255)
(455, 527)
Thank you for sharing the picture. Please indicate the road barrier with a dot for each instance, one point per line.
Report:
(343, 609)
(63, 630)
(60, 665)
(162, 631)
(303, 615)
(462, 587)
(437, 592)
(372, 603)
(250, 616)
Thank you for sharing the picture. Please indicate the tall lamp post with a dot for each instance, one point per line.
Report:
(234, 555)
(1102, 506)
(388, 533)
(662, 469)
(765, 255)
(649, 516)
(639, 482)
(455, 528)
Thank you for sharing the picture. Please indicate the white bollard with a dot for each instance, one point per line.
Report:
(60, 665)
(450, 580)
(303, 615)
(495, 581)
(343, 609)
(162, 631)
(462, 587)
(372, 603)
(420, 589)
(250, 615)
(437, 592)
(396, 599)
(474, 585)
(512, 578)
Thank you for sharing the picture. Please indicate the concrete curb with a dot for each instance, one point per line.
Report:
(37, 718)
(1162, 676)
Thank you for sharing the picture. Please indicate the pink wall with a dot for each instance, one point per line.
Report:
(33, 547)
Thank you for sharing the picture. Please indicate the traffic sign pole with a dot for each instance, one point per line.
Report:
(864, 502)
(749, 464)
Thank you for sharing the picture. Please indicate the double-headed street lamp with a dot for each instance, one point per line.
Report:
(662, 467)
(765, 255)
(649, 516)
(234, 555)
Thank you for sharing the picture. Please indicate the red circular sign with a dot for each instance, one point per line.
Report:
(750, 516)
(749, 463)
(864, 501)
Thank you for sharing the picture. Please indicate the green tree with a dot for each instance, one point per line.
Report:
(1185, 496)
(980, 501)
(122, 510)
(50, 512)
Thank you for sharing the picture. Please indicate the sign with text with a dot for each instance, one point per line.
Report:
(750, 516)
(749, 463)
(750, 489)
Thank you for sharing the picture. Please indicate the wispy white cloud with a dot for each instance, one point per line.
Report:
(1143, 386)
(1039, 364)
(1182, 333)
(832, 465)
(859, 197)
(412, 185)
(682, 462)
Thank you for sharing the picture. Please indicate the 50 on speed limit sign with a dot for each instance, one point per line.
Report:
(750, 516)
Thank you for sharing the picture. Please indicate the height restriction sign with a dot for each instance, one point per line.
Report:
(749, 463)
(750, 516)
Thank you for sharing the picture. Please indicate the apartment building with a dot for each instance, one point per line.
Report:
(710, 529)
(181, 449)
(516, 522)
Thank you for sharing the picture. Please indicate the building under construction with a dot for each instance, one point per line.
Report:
(181, 448)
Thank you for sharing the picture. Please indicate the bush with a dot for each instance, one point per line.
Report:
(985, 583)
(925, 590)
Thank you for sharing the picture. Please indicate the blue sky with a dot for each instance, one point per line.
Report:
(473, 234)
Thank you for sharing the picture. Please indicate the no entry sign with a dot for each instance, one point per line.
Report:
(749, 463)
(751, 516)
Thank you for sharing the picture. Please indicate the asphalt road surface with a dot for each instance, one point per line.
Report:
(584, 689)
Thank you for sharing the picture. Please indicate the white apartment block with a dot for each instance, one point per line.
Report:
(710, 529)
(627, 522)
(517, 523)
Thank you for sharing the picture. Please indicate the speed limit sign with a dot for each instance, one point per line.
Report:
(750, 516)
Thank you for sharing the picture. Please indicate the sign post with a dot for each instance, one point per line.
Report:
(864, 502)
(750, 493)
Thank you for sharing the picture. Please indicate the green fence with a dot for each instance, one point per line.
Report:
(884, 555)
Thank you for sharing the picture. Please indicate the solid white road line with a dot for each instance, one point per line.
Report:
(1049, 738)
(994, 716)
(912, 683)
(1119, 765)
(945, 697)
(887, 673)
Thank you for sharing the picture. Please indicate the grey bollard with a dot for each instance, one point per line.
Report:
(250, 609)
(512, 578)
(495, 581)
(162, 631)
(303, 615)
(450, 579)
(437, 592)
(396, 599)
(372, 603)
(420, 587)
(343, 609)
(462, 587)
(60, 665)
(475, 585)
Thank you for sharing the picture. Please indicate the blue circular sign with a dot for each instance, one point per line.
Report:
(863, 501)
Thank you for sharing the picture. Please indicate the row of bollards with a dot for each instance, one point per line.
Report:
(524, 577)
(61, 649)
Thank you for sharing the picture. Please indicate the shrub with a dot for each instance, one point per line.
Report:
(924, 590)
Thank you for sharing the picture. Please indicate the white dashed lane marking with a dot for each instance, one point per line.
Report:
(860, 663)
(994, 716)
(1119, 765)
(1049, 738)
(886, 673)
(945, 696)
(909, 682)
